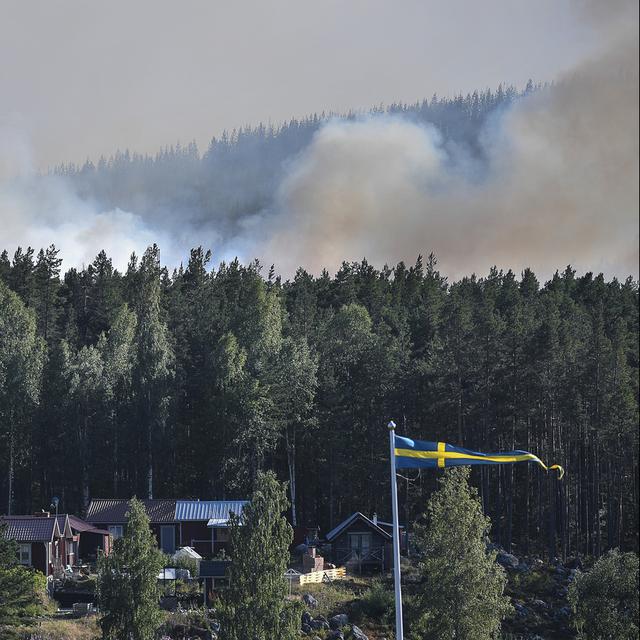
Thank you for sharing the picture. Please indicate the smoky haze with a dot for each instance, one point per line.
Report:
(555, 181)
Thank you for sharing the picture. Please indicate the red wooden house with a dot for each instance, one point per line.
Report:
(44, 541)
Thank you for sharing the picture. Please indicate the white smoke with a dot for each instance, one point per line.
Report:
(40, 211)
(558, 184)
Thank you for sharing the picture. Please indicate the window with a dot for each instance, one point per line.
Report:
(116, 531)
(222, 534)
(168, 539)
(24, 554)
(360, 543)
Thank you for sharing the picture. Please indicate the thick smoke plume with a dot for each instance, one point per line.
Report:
(561, 185)
(556, 182)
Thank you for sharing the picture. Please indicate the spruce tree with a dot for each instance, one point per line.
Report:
(462, 585)
(127, 586)
(255, 607)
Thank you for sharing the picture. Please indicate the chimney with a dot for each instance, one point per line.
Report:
(375, 519)
(42, 514)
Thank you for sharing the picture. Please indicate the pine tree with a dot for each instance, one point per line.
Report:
(255, 604)
(462, 585)
(154, 363)
(127, 587)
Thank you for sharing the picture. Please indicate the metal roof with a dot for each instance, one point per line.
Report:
(350, 520)
(217, 510)
(114, 511)
(29, 528)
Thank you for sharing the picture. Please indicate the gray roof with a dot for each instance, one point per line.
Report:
(350, 520)
(217, 511)
(80, 526)
(29, 528)
(114, 511)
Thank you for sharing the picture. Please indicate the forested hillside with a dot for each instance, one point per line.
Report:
(238, 175)
(186, 384)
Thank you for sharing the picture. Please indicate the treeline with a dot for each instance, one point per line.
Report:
(239, 173)
(187, 384)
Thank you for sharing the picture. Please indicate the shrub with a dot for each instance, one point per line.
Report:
(378, 603)
(605, 599)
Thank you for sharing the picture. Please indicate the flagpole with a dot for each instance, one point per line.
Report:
(396, 532)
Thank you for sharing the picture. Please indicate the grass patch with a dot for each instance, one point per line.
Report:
(82, 629)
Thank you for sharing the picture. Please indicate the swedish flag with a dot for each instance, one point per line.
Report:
(417, 454)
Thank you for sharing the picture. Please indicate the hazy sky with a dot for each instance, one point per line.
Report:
(80, 78)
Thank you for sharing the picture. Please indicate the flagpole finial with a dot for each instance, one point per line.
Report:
(391, 425)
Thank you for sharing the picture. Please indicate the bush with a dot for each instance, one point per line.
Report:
(378, 603)
(184, 562)
(186, 624)
(605, 599)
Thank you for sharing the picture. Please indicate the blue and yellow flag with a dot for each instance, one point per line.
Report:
(417, 454)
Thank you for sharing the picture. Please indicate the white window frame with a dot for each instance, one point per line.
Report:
(116, 531)
(21, 554)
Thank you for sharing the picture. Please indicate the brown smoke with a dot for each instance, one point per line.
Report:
(562, 184)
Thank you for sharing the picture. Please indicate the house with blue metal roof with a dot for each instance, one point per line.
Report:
(203, 524)
(200, 524)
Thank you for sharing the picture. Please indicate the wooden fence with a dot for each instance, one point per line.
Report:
(328, 575)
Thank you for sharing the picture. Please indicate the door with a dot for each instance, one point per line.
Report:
(168, 539)
(360, 544)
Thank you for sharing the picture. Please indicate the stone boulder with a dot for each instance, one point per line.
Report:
(310, 601)
(355, 633)
(507, 560)
(339, 620)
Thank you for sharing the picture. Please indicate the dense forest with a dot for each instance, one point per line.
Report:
(238, 175)
(186, 384)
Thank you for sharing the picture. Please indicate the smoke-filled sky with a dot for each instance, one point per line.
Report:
(85, 78)
(560, 184)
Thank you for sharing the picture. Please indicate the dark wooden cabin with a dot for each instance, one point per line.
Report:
(359, 543)
(110, 514)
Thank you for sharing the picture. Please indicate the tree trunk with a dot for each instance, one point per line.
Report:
(10, 472)
(291, 463)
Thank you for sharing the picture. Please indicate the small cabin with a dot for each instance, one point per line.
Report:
(360, 543)
(88, 541)
(111, 514)
(44, 541)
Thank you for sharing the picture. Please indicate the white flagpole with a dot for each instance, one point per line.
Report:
(396, 532)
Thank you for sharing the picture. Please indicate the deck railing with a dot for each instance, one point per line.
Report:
(371, 555)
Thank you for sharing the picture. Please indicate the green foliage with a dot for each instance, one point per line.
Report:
(127, 587)
(462, 585)
(22, 590)
(21, 361)
(378, 603)
(190, 383)
(254, 606)
(605, 599)
(184, 562)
